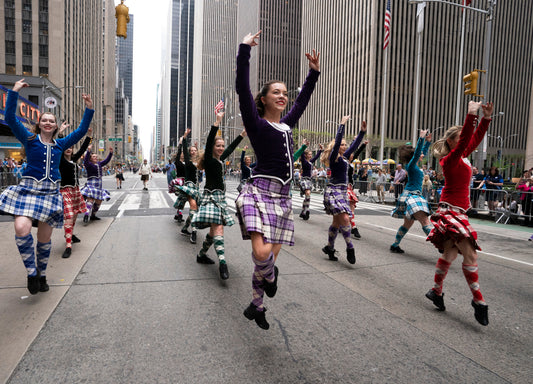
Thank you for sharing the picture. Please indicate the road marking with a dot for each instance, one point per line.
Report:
(157, 200)
(486, 253)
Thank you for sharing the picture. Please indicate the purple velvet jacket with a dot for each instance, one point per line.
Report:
(272, 142)
(339, 166)
(95, 170)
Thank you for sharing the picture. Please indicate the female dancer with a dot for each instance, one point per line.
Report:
(452, 233)
(191, 186)
(212, 212)
(411, 205)
(335, 195)
(93, 191)
(306, 184)
(246, 168)
(37, 195)
(264, 206)
(182, 198)
(119, 175)
(73, 202)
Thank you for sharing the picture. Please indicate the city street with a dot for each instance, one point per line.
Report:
(131, 305)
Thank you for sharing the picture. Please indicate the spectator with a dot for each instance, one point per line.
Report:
(400, 177)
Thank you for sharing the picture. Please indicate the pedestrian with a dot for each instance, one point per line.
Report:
(475, 189)
(264, 206)
(335, 195)
(190, 188)
(452, 233)
(145, 170)
(493, 183)
(399, 179)
(119, 175)
(179, 180)
(73, 202)
(37, 196)
(212, 209)
(170, 171)
(525, 184)
(411, 205)
(306, 184)
(427, 187)
(381, 180)
(93, 190)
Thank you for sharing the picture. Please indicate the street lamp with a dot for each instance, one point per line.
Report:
(501, 140)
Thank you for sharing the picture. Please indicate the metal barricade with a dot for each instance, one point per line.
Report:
(6, 179)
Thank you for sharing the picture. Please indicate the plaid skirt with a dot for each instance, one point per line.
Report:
(212, 210)
(336, 199)
(352, 197)
(190, 189)
(450, 223)
(265, 206)
(306, 184)
(73, 202)
(408, 204)
(172, 186)
(93, 190)
(41, 201)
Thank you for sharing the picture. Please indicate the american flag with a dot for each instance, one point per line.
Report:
(220, 106)
(387, 25)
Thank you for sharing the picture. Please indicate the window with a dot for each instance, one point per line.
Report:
(11, 69)
(26, 26)
(27, 70)
(26, 49)
(10, 47)
(43, 71)
(43, 50)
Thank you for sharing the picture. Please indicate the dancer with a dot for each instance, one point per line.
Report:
(246, 168)
(306, 184)
(212, 212)
(352, 197)
(411, 205)
(37, 195)
(93, 191)
(145, 171)
(73, 202)
(335, 195)
(264, 207)
(191, 186)
(452, 233)
(182, 198)
(119, 175)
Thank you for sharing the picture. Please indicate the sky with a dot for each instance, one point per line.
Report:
(149, 20)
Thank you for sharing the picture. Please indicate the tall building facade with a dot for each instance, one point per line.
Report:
(351, 47)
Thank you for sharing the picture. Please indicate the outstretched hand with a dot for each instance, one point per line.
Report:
(314, 60)
(363, 126)
(19, 85)
(321, 147)
(487, 110)
(64, 126)
(428, 137)
(345, 119)
(218, 120)
(186, 133)
(473, 107)
(249, 39)
(423, 133)
(88, 101)
(306, 142)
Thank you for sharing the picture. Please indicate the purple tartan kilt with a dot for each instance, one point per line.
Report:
(408, 204)
(93, 190)
(39, 200)
(336, 199)
(265, 206)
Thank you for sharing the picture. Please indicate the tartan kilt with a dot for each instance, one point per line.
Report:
(176, 182)
(190, 189)
(93, 190)
(352, 197)
(73, 202)
(306, 184)
(212, 209)
(408, 204)
(450, 223)
(265, 206)
(41, 201)
(336, 199)
(181, 200)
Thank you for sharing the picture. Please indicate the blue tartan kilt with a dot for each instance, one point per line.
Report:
(190, 189)
(93, 190)
(408, 204)
(212, 209)
(41, 201)
(336, 199)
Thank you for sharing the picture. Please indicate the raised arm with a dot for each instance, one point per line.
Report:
(338, 140)
(243, 155)
(20, 132)
(418, 151)
(229, 150)
(466, 133)
(360, 149)
(76, 156)
(357, 141)
(482, 128)
(87, 158)
(249, 113)
(185, 148)
(299, 153)
(108, 158)
(77, 135)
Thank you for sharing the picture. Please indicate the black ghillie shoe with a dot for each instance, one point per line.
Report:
(185, 232)
(86, 219)
(223, 270)
(396, 249)
(204, 260)
(436, 299)
(43, 284)
(192, 239)
(180, 218)
(355, 233)
(95, 218)
(306, 216)
(302, 215)
(272, 288)
(33, 284)
(67, 253)
(251, 313)
(481, 313)
(75, 239)
(330, 252)
(350, 255)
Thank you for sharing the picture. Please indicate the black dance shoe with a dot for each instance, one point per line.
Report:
(185, 232)
(330, 252)
(481, 313)
(95, 218)
(251, 313)
(272, 287)
(43, 285)
(86, 219)
(436, 299)
(204, 259)
(33, 284)
(350, 255)
(192, 239)
(75, 239)
(306, 216)
(355, 233)
(396, 249)
(67, 253)
(223, 270)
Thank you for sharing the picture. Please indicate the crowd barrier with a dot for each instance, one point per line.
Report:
(7, 178)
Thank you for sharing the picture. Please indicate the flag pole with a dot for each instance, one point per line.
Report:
(420, 28)
(460, 83)
(383, 102)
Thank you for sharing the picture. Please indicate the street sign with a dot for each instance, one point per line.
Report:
(115, 139)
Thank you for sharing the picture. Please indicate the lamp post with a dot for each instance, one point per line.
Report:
(501, 140)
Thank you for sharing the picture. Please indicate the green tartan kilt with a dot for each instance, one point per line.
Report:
(212, 209)
(190, 189)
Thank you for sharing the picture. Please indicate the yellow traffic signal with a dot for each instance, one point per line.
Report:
(470, 81)
(129, 139)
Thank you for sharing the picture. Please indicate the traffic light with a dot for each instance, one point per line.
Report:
(129, 139)
(470, 81)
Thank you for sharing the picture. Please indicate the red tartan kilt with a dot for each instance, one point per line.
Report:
(451, 224)
(352, 197)
(73, 202)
